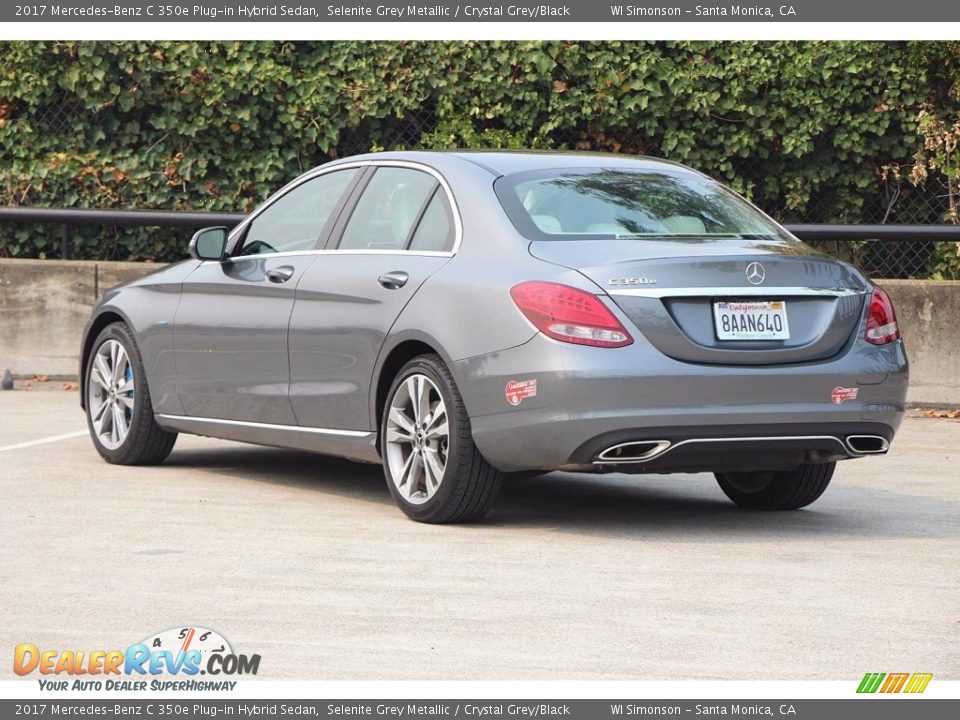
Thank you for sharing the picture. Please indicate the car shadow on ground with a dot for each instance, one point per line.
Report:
(665, 508)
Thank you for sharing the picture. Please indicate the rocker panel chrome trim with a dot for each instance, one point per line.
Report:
(265, 426)
(352, 444)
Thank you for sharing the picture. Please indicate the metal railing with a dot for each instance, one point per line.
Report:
(846, 233)
(68, 218)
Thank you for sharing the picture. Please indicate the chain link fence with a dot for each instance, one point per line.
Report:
(893, 201)
(60, 116)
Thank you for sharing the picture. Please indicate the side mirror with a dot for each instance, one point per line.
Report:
(209, 243)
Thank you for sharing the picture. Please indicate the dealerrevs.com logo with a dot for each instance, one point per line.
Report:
(168, 660)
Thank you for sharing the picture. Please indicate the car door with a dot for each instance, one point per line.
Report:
(402, 229)
(230, 329)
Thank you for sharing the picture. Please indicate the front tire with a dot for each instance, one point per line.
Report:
(119, 408)
(777, 490)
(434, 471)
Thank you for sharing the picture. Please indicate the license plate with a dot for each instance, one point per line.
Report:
(752, 320)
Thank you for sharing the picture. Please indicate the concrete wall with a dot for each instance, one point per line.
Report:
(44, 305)
(928, 312)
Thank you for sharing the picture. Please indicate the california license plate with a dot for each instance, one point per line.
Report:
(751, 320)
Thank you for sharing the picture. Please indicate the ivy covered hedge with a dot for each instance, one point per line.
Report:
(804, 129)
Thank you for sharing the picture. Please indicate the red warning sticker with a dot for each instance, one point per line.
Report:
(841, 394)
(517, 390)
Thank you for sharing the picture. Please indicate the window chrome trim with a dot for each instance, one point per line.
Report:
(751, 291)
(330, 251)
(266, 426)
(323, 170)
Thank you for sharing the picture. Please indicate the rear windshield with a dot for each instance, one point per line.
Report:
(598, 203)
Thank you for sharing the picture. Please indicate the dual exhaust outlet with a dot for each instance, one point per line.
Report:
(867, 444)
(639, 451)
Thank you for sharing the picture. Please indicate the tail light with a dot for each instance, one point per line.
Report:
(882, 323)
(570, 315)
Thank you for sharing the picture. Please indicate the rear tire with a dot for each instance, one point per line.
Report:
(433, 469)
(140, 441)
(777, 490)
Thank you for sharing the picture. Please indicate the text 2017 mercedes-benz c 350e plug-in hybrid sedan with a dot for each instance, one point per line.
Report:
(465, 316)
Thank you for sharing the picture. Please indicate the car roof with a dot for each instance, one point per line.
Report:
(507, 162)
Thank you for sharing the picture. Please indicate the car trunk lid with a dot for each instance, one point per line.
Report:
(668, 287)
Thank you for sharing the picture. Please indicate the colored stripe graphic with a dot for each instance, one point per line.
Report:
(918, 682)
(894, 682)
(870, 682)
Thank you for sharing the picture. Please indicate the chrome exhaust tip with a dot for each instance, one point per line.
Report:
(867, 444)
(632, 452)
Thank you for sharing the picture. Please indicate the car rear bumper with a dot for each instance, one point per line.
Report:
(586, 400)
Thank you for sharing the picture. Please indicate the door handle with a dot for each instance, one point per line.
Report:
(280, 274)
(393, 280)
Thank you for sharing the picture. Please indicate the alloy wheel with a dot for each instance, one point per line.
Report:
(417, 438)
(111, 394)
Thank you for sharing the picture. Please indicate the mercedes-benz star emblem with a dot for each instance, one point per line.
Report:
(756, 273)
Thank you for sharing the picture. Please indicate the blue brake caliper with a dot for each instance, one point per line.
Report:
(128, 376)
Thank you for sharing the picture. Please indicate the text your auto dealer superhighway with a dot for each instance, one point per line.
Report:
(452, 11)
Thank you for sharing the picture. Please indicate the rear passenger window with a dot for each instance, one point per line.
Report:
(388, 209)
(435, 231)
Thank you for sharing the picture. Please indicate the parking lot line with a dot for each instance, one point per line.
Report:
(43, 441)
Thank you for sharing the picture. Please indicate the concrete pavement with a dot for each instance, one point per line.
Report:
(305, 560)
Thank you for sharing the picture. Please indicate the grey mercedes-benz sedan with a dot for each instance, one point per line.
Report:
(464, 317)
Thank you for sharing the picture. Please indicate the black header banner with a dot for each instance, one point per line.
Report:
(577, 11)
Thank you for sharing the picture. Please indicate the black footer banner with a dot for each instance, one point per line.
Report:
(874, 708)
